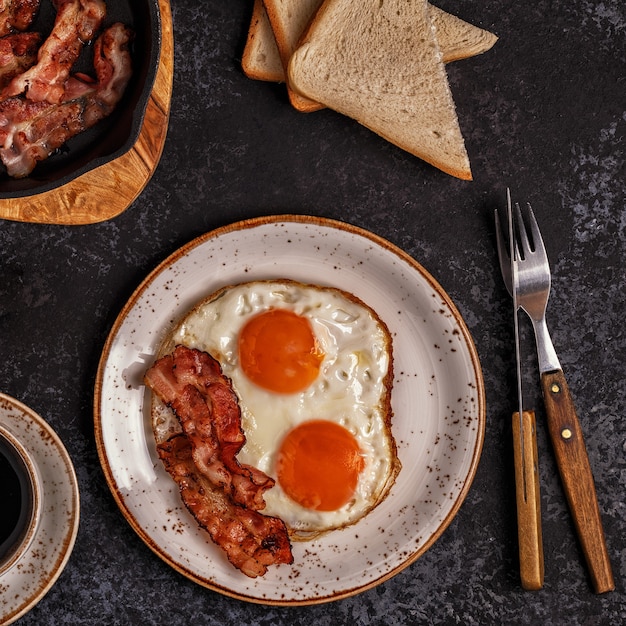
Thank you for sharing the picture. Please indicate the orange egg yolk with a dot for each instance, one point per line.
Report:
(318, 465)
(278, 351)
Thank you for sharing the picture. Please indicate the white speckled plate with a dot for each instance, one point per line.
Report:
(32, 576)
(437, 399)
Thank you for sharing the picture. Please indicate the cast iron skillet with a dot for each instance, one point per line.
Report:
(116, 134)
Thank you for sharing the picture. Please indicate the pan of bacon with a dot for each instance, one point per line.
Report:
(75, 78)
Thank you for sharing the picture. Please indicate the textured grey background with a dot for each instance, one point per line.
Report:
(543, 112)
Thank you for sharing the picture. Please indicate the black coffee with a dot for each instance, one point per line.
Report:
(13, 493)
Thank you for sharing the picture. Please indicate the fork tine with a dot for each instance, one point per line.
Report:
(522, 234)
(539, 247)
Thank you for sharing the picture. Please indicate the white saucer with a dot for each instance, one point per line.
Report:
(33, 574)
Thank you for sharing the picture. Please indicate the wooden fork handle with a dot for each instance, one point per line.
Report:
(577, 478)
(528, 501)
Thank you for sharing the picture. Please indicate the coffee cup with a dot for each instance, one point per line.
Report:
(21, 500)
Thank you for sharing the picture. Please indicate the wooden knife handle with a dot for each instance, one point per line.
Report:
(577, 478)
(528, 501)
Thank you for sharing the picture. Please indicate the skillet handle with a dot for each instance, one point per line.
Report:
(577, 478)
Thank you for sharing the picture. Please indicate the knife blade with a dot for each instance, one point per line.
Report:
(525, 456)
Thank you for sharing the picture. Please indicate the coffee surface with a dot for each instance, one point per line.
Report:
(11, 494)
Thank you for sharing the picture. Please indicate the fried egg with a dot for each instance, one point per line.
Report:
(312, 368)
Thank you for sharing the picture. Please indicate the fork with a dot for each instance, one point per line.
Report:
(531, 282)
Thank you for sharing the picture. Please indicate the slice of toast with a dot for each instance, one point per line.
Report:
(288, 19)
(261, 60)
(379, 63)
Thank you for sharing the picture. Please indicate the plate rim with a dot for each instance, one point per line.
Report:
(70, 537)
(247, 224)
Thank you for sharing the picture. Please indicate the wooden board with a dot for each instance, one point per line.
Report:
(107, 191)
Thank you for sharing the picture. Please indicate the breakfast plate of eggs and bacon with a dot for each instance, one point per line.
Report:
(289, 410)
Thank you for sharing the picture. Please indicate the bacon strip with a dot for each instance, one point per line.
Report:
(76, 23)
(16, 15)
(32, 131)
(252, 541)
(191, 383)
(112, 64)
(17, 53)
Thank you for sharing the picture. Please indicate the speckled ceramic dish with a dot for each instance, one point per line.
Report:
(37, 569)
(437, 399)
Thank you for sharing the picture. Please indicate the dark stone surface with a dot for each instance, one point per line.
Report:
(544, 113)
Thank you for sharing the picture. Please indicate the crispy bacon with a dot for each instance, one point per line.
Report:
(76, 23)
(17, 53)
(252, 541)
(191, 383)
(223, 495)
(30, 131)
(112, 64)
(16, 15)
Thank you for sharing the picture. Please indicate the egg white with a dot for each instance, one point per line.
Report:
(352, 388)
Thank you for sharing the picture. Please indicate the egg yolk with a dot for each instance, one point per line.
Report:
(278, 351)
(318, 465)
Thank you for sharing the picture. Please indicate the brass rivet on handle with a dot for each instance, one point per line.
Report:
(566, 433)
(555, 388)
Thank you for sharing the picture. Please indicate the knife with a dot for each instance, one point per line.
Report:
(528, 501)
(525, 456)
